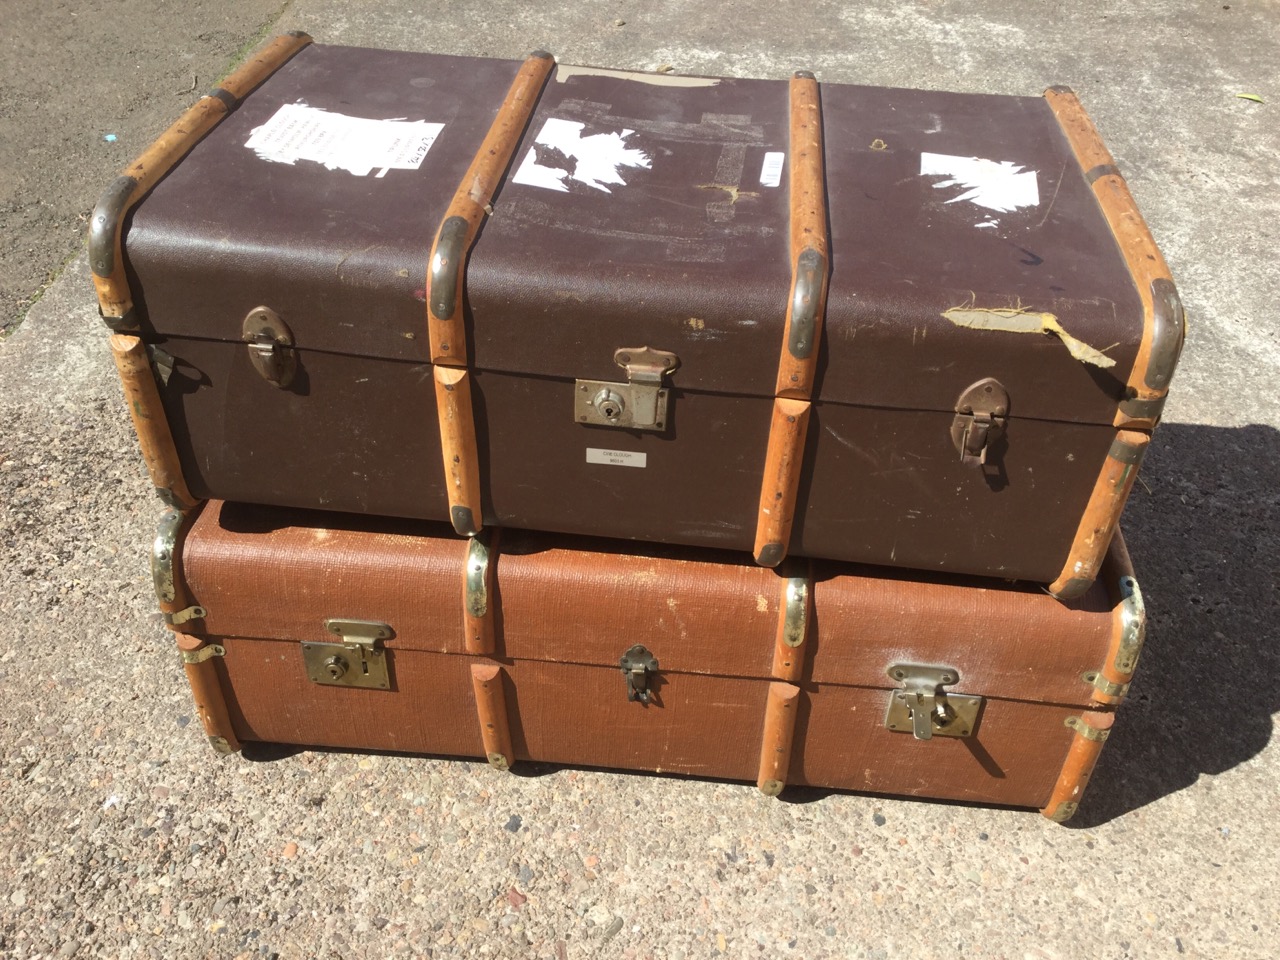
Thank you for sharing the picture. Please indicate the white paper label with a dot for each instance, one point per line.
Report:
(771, 172)
(338, 142)
(616, 458)
(1002, 187)
(595, 160)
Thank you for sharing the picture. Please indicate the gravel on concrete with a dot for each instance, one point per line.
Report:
(122, 835)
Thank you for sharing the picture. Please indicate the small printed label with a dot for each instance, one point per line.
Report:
(771, 172)
(616, 458)
(338, 142)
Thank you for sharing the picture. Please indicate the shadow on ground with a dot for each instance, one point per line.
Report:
(1204, 531)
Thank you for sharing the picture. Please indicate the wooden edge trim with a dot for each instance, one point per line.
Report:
(806, 306)
(491, 707)
(446, 268)
(149, 420)
(106, 225)
(783, 462)
(206, 691)
(1092, 729)
(795, 614)
(477, 591)
(1128, 627)
(459, 449)
(779, 731)
(1164, 321)
(1102, 514)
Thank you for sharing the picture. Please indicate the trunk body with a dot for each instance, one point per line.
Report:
(650, 211)
(765, 676)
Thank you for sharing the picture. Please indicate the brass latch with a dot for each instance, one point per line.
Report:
(981, 414)
(638, 404)
(270, 345)
(924, 708)
(358, 660)
(638, 666)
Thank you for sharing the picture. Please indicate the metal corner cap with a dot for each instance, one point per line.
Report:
(1060, 88)
(464, 521)
(162, 550)
(1169, 329)
(105, 224)
(771, 554)
(300, 35)
(541, 55)
(804, 75)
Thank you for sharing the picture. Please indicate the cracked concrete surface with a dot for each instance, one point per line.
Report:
(122, 835)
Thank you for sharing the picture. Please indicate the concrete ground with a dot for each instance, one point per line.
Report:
(122, 835)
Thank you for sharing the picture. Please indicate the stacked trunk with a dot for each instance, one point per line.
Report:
(565, 306)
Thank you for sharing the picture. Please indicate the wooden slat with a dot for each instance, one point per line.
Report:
(775, 743)
(459, 449)
(469, 207)
(784, 459)
(1078, 767)
(1101, 516)
(206, 691)
(491, 707)
(1138, 247)
(149, 421)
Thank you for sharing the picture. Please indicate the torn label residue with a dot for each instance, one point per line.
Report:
(1017, 320)
(338, 142)
(594, 160)
(1002, 187)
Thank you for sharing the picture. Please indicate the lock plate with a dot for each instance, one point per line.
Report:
(638, 404)
(270, 344)
(982, 412)
(922, 707)
(356, 660)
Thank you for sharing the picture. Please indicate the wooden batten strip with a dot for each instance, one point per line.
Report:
(106, 258)
(806, 308)
(477, 592)
(459, 449)
(1101, 517)
(149, 421)
(802, 332)
(1092, 729)
(491, 706)
(1164, 324)
(446, 270)
(779, 732)
(206, 691)
(783, 462)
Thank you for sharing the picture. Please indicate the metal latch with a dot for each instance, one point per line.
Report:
(638, 404)
(357, 661)
(638, 666)
(924, 708)
(981, 414)
(270, 346)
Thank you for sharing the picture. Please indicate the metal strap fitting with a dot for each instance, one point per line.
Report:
(1104, 686)
(182, 616)
(1087, 731)
(204, 653)
(477, 575)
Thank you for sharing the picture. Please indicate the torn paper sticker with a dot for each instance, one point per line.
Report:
(1017, 320)
(771, 169)
(1002, 187)
(338, 142)
(594, 160)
